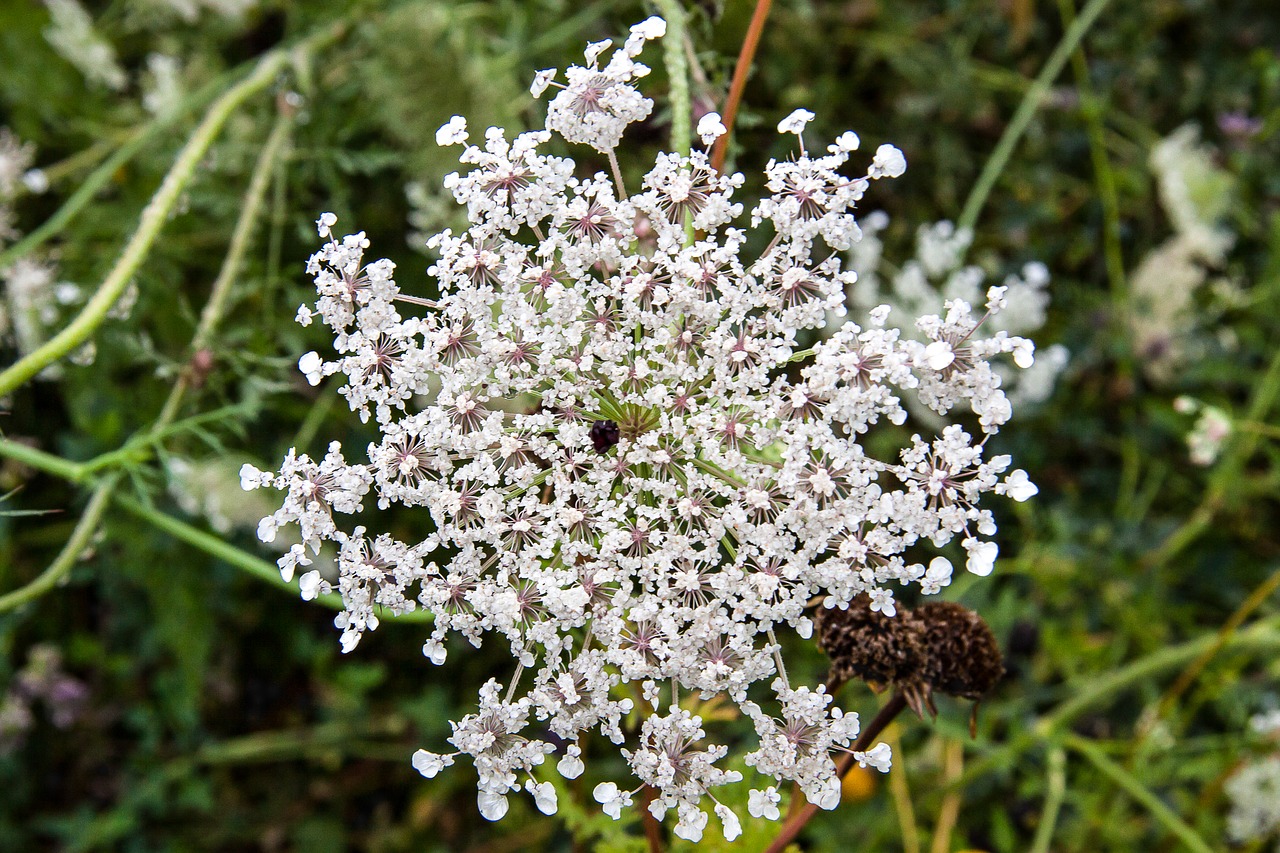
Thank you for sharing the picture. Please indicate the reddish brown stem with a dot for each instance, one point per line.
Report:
(652, 829)
(739, 82)
(797, 819)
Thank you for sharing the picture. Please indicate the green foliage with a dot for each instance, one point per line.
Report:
(221, 715)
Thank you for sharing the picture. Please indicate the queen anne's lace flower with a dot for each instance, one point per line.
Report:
(636, 470)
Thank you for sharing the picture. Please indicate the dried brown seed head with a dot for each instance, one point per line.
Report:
(868, 645)
(962, 656)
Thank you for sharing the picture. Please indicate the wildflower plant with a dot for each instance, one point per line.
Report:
(638, 470)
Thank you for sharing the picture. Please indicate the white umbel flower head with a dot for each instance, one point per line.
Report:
(630, 469)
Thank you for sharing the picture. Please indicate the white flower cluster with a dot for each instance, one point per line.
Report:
(1167, 319)
(635, 470)
(598, 103)
(1254, 793)
(937, 273)
(72, 34)
(16, 173)
(31, 297)
(1209, 433)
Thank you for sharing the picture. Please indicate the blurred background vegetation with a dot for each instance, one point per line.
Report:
(166, 695)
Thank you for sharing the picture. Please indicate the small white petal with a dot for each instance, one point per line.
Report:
(544, 797)
(711, 128)
(732, 826)
(435, 652)
(492, 806)
(452, 132)
(888, 163)
(541, 81)
(982, 556)
(795, 122)
(1025, 356)
(309, 585)
(880, 757)
(939, 355)
(429, 763)
(847, 141)
(1019, 487)
(652, 27)
(570, 767)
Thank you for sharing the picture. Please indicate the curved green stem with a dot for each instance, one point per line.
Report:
(678, 73)
(133, 141)
(70, 552)
(153, 218)
(216, 306)
(1055, 792)
(1026, 111)
(1139, 792)
(1261, 636)
(42, 461)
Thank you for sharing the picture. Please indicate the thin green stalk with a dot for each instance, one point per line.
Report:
(70, 553)
(133, 142)
(215, 307)
(230, 554)
(153, 219)
(1264, 634)
(140, 448)
(42, 461)
(136, 450)
(1193, 670)
(678, 73)
(1026, 111)
(1092, 108)
(1134, 788)
(1093, 690)
(1056, 789)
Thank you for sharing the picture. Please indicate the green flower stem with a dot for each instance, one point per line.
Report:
(215, 307)
(240, 559)
(132, 143)
(1056, 790)
(141, 448)
(153, 219)
(135, 451)
(1193, 670)
(1138, 791)
(95, 311)
(678, 73)
(70, 552)
(289, 744)
(1262, 635)
(1093, 690)
(1093, 110)
(42, 461)
(1026, 111)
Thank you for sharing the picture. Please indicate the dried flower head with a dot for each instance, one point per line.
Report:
(635, 471)
(869, 645)
(962, 656)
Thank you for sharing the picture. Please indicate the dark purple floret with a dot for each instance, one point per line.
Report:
(604, 435)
